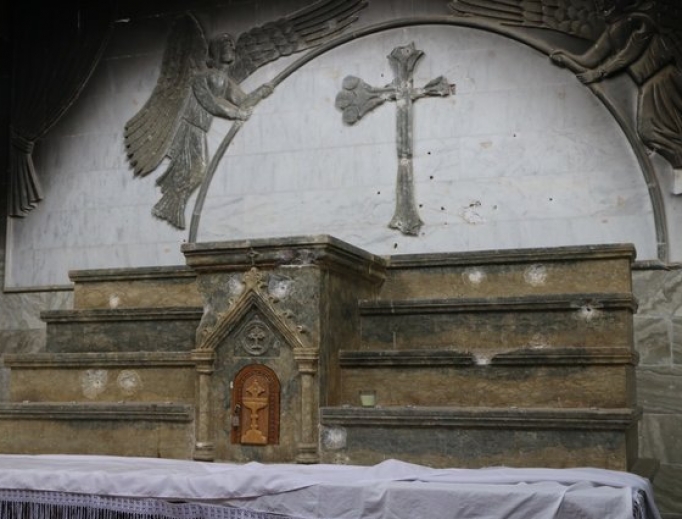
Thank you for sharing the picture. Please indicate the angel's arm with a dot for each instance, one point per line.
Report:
(635, 45)
(215, 105)
(598, 52)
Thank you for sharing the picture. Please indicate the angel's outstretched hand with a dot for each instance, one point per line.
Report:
(591, 76)
(559, 58)
(243, 114)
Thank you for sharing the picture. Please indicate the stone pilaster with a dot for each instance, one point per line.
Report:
(204, 449)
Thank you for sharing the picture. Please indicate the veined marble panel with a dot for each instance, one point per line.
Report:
(677, 341)
(659, 292)
(653, 340)
(659, 389)
(22, 311)
(667, 489)
(660, 437)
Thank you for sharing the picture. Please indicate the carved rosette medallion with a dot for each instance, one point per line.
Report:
(255, 338)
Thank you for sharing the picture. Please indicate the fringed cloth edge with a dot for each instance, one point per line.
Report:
(30, 504)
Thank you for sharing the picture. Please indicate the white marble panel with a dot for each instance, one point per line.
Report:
(498, 165)
(506, 162)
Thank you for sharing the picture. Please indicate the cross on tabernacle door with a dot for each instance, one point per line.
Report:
(357, 98)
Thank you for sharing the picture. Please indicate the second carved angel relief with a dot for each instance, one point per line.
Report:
(200, 79)
(640, 37)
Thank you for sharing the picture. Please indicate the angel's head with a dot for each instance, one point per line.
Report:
(221, 51)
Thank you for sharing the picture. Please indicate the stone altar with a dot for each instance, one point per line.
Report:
(259, 350)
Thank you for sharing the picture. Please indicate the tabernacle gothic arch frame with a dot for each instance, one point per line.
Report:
(254, 301)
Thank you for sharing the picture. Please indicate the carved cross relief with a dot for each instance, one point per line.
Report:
(357, 98)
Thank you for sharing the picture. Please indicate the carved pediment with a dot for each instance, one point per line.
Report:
(257, 325)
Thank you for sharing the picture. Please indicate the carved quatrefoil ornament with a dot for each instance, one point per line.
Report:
(256, 338)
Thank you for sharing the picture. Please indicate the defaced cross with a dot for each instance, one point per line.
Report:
(357, 98)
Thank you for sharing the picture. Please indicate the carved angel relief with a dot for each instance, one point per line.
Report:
(200, 80)
(642, 37)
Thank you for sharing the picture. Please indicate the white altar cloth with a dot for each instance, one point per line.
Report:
(389, 490)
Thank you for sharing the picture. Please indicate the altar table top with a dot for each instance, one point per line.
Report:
(391, 489)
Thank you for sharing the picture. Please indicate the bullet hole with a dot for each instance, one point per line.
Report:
(430, 177)
(428, 153)
(495, 208)
(395, 245)
(378, 192)
(514, 135)
(442, 208)
(588, 313)
(421, 205)
(551, 199)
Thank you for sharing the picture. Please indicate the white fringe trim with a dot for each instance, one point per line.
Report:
(30, 504)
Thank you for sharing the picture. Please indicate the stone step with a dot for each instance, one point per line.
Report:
(495, 273)
(125, 329)
(562, 378)
(481, 437)
(144, 287)
(537, 321)
(125, 429)
(102, 377)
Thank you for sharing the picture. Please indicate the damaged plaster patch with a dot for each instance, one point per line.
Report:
(334, 438)
(538, 341)
(471, 215)
(480, 360)
(129, 382)
(94, 382)
(279, 286)
(235, 286)
(114, 301)
(475, 276)
(535, 275)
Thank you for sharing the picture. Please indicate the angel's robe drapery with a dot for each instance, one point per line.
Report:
(55, 48)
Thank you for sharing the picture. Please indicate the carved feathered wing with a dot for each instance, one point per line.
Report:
(299, 31)
(669, 19)
(580, 18)
(149, 134)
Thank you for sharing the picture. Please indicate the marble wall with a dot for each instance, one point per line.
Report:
(522, 155)
(658, 339)
(21, 329)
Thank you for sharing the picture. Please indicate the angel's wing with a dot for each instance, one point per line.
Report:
(669, 20)
(581, 18)
(149, 133)
(299, 31)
